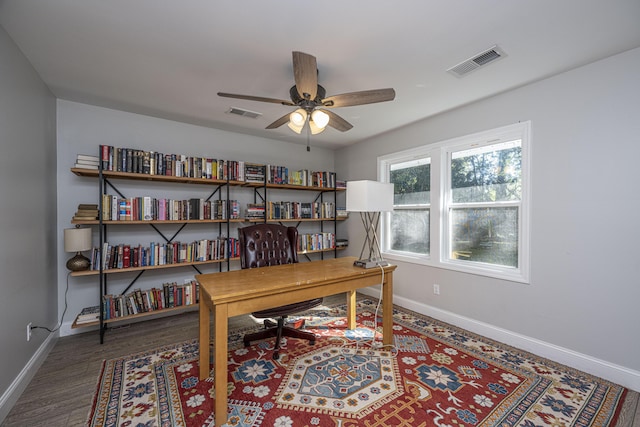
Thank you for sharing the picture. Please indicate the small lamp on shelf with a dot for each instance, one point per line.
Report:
(77, 240)
(370, 198)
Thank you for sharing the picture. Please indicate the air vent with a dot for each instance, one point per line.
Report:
(477, 61)
(244, 113)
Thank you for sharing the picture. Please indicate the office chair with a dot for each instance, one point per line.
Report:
(263, 245)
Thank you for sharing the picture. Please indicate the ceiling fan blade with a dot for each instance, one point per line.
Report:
(305, 72)
(337, 122)
(256, 98)
(359, 98)
(282, 120)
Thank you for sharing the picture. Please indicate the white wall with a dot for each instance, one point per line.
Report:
(82, 128)
(582, 303)
(28, 266)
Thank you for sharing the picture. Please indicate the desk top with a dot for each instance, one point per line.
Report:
(230, 286)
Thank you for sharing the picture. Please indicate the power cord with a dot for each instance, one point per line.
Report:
(373, 344)
(63, 312)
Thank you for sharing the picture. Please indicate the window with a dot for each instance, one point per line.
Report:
(462, 204)
(409, 221)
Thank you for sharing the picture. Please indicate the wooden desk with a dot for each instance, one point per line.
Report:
(238, 292)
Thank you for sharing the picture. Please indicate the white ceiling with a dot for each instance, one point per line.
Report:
(169, 58)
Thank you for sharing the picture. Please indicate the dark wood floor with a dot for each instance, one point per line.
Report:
(61, 392)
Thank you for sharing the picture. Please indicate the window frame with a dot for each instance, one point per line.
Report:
(440, 195)
(386, 217)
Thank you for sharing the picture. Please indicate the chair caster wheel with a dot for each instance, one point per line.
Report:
(276, 356)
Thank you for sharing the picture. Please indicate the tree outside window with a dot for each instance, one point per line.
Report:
(486, 190)
(409, 221)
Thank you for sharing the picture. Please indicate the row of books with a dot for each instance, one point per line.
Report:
(147, 208)
(156, 254)
(281, 175)
(300, 210)
(316, 242)
(144, 301)
(133, 160)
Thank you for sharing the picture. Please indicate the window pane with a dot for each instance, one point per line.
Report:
(411, 182)
(410, 231)
(488, 235)
(487, 174)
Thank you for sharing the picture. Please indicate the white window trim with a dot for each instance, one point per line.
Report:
(440, 153)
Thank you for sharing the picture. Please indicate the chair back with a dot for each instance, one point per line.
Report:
(263, 245)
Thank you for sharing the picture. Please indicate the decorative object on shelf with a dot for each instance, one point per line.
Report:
(370, 198)
(77, 240)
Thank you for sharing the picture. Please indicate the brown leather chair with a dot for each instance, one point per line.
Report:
(263, 245)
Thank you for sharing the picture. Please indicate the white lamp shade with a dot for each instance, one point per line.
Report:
(77, 239)
(314, 128)
(298, 117)
(320, 118)
(369, 196)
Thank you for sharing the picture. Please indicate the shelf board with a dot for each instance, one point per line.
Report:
(293, 187)
(297, 219)
(157, 221)
(94, 173)
(134, 316)
(150, 267)
(322, 250)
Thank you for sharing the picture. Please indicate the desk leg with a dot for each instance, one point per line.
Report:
(387, 309)
(221, 331)
(351, 309)
(205, 337)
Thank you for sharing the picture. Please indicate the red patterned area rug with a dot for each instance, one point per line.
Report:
(435, 375)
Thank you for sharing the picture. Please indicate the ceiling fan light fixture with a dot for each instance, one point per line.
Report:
(315, 129)
(294, 127)
(298, 118)
(320, 118)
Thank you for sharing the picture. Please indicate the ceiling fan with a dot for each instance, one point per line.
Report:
(312, 102)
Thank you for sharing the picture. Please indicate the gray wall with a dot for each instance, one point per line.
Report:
(82, 128)
(582, 302)
(28, 264)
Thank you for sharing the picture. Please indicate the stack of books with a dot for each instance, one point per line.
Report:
(255, 211)
(86, 212)
(85, 161)
(88, 315)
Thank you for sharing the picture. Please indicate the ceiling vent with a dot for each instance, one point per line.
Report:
(244, 113)
(480, 60)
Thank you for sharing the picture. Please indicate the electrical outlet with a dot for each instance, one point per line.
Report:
(436, 289)
(29, 331)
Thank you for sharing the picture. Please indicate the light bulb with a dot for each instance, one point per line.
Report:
(320, 118)
(298, 117)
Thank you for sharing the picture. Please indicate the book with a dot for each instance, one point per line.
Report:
(87, 157)
(84, 166)
(88, 314)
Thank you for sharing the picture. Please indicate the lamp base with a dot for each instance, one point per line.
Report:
(78, 263)
(370, 263)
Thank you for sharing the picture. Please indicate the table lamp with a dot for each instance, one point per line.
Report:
(370, 198)
(77, 240)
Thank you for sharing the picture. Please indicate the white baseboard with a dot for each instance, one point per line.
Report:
(20, 383)
(609, 371)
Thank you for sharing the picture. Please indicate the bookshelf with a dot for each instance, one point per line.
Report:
(258, 180)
